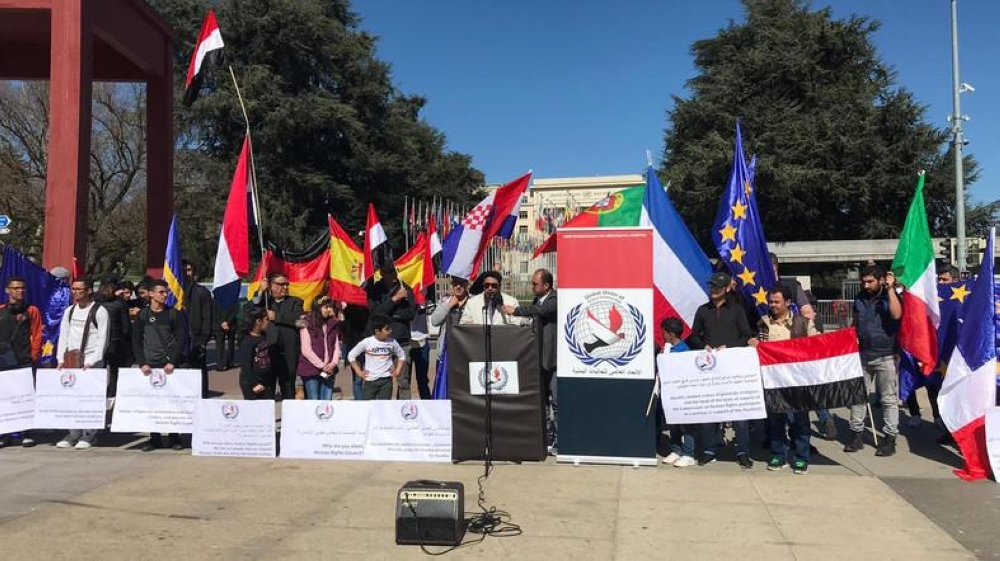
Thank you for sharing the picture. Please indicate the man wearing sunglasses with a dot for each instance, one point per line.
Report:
(285, 313)
(490, 305)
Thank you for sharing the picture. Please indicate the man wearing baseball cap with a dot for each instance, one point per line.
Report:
(718, 324)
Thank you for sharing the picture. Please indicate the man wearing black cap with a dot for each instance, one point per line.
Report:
(393, 299)
(718, 324)
(489, 306)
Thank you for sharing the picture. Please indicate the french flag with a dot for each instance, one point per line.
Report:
(680, 268)
(969, 387)
(809, 373)
(205, 50)
(232, 260)
(466, 244)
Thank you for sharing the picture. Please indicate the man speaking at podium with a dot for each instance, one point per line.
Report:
(489, 305)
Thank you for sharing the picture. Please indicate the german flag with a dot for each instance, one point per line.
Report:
(307, 271)
(416, 268)
(346, 263)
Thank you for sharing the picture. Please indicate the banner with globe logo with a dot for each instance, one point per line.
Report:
(606, 333)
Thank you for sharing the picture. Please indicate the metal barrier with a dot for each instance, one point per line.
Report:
(832, 315)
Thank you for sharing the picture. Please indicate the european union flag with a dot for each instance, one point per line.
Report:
(46, 292)
(173, 272)
(739, 235)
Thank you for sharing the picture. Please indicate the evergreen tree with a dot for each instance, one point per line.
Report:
(839, 144)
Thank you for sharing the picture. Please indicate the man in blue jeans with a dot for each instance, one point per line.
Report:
(718, 324)
(780, 324)
(877, 310)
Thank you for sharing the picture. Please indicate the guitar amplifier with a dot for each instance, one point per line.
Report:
(430, 513)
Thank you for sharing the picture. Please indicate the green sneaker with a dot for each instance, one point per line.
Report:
(800, 467)
(777, 462)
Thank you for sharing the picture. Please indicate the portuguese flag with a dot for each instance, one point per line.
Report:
(617, 209)
(914, 267)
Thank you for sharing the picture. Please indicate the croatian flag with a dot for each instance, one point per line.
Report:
(205, 51)
(809, 373)
(969, 387)
(232, 259)
(466, 244)
(680, 268)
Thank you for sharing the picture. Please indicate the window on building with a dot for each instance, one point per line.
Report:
(522, 229)
(523, 215)
(524, 267)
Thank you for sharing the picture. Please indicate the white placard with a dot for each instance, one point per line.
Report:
(17, 401)
(233, 428)
(71, 398)
(409, 431)
(330, 430)
(159, 402)
(711, 387)
(504, 379)
(606, 333)
(993, 438)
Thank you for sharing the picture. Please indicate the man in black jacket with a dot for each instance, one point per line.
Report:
(285, 313)
(158, 338)
(544, 317)
(718, 324)
(391, 298)
(198, 307)
(20, 338)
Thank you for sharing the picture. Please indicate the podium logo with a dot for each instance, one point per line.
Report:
(705, 361)
(605, 328)
(497, 379)
(67, 379)
(157, 379)
(409, 411)
(230, 410)
(324, 411)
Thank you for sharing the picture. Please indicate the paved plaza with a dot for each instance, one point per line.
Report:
(115, 502)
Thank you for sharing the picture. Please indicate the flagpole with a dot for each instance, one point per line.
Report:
(253, 167)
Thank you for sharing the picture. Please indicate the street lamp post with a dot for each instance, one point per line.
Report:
(959, 141)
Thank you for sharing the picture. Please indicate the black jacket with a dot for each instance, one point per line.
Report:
(159, 338)
(198, 307)
(544, 318)
(119, 331)
(400, 313)
(714, 327)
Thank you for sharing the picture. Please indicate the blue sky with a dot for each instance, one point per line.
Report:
(580, 88)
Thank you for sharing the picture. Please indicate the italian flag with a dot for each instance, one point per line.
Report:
(621, 209)
(913, 265)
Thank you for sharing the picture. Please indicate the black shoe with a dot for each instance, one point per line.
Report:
(175, 443)
(887, 447)
(744, 461)
(856, 443)
(4, 441)
(149, 446)
(946, 439)
(706, 459)
(830, 428)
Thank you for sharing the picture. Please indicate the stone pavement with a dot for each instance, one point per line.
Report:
(113, 502)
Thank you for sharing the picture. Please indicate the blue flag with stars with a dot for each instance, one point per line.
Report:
(738, 233)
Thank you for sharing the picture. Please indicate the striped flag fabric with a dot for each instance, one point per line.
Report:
(232, 259)
(205, 51)
(680, 268)
(307, 272)
(346, 262)
(433, 238)
(173, 271)
(914, 266)
(465, 246)
(808, 373)
(416, 269)
(621, 209)
(969, 387)
(374, 237)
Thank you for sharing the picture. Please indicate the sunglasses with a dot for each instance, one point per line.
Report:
(281, 283)
(491, 285)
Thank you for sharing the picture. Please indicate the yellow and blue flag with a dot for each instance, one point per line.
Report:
(739, 234)
(173, 271)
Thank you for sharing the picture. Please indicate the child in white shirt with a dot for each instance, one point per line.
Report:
(384, 360)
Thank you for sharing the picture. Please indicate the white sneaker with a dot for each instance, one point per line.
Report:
(685, 461)
(82, 445)
(64, 444)
(914, 421)
(671, 458)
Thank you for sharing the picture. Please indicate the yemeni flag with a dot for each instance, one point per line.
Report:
(914, 267)
(809, 373)
(346, 262)
(374, 237)
(205, 52)
(232, 259)
(621, 209)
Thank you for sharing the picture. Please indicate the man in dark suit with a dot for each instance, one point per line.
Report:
(198, 307)
(544, 316)
(285, 313)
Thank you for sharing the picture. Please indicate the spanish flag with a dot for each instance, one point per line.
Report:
(416, 268)
(307, 271)
(346, 263)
